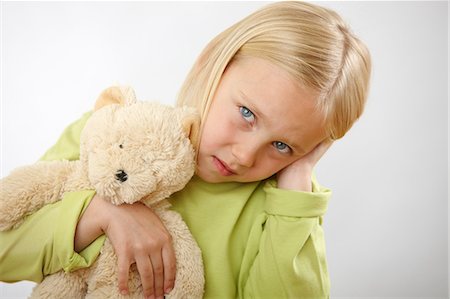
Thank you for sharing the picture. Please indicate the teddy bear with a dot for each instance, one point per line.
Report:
(129, 151)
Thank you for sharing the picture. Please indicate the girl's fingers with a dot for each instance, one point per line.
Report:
(146, 242)
(319, 151)
(324, 146)
(158, 274)
(170, 267)
(124, 269)
(328, 143)
(145, 269)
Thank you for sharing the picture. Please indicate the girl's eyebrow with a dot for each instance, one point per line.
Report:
(253, 107)
(296, 147)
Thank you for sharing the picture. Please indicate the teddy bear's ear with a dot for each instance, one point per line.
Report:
(191, 127)
(123, 95)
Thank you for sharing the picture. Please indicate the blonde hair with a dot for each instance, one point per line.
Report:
(310, 42)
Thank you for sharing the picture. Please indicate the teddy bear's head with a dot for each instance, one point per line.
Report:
(138, 149)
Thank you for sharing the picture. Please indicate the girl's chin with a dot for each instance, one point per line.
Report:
(206, 176)
(214, 176)
(209, 174)
(215, 179)
(211, 178)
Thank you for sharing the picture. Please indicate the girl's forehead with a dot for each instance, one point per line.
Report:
(268, 85)
(261, 74)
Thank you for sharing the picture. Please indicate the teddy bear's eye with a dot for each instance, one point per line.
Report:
(121, 145)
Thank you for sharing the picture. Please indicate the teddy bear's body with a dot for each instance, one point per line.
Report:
(127, 153)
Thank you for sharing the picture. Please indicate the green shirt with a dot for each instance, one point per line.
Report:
(257, 241)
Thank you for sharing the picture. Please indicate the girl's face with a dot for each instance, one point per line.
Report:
(260, 121)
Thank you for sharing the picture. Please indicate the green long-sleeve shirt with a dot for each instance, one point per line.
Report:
(257, 241)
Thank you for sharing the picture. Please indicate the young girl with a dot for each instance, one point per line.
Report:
(273, 91)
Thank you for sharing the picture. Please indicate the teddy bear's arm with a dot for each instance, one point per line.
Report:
(29, 188)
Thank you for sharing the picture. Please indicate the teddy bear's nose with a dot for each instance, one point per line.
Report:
(121, 175)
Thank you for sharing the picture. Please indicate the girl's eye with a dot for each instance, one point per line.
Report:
(281, 147)
(247, 114)
(121, 145)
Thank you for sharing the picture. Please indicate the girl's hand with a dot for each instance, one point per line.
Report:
(297, 176)
(138, 236)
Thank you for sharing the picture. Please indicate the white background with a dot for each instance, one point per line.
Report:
(386, 227)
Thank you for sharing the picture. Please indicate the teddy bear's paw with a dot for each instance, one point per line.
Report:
(9, 220)
(180, 293)
(12, 215)
(111, 291)
(4, 226)
(61, 285)
(9, 210)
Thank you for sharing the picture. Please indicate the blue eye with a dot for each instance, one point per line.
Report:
(281, 147)
(247, 114)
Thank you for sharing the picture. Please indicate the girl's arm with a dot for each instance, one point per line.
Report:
(136, 233)
(43, 243)
(297, 176)
(286, 257)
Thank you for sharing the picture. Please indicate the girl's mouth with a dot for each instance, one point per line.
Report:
(222, 167)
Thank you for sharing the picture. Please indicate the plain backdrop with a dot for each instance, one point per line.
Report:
(386, 227)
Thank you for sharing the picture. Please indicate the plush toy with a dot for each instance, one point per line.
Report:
(129, 151)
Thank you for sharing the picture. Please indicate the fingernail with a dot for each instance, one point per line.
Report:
(124, 292)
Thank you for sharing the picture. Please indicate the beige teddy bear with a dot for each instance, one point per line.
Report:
(129, 151)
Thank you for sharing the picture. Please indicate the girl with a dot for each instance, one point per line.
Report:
(273, 91)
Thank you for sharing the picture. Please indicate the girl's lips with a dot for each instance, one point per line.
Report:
(222, 167)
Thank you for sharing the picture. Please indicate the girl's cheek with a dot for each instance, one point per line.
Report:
(234, 128)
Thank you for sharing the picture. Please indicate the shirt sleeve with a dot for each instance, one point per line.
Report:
(288, 258)
(68, 145)
(43, 243)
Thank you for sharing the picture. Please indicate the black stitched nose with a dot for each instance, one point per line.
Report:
(121, 175)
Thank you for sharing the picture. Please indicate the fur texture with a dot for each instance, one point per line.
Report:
(129, 151)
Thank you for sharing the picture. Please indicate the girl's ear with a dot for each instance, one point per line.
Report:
(191, 127)
(122, 95)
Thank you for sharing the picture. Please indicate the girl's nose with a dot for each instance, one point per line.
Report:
(245, 154)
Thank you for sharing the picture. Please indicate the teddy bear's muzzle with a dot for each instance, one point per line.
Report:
(121, 175)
